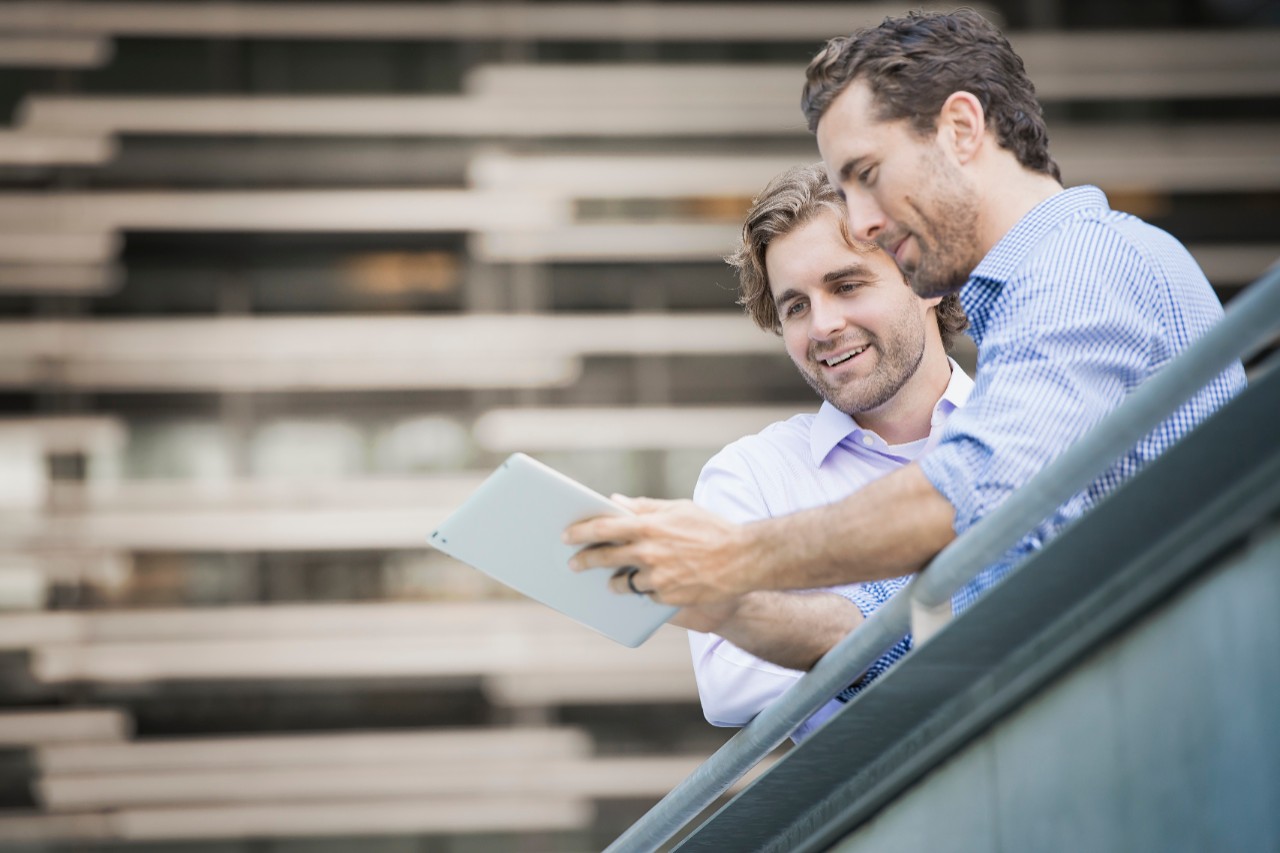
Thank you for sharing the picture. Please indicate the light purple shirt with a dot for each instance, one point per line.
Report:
(806, 461)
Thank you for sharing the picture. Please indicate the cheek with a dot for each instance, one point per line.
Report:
(889, 319)
(796, 342)
(896, 193)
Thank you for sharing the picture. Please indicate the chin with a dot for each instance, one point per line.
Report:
(929, 283)
(930, 289)
(927, 286)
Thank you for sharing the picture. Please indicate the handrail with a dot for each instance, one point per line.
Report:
(1252, 320)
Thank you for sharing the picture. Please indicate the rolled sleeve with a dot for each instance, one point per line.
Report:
(1078, 346)
(868, 597)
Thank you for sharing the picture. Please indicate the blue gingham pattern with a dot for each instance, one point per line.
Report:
(1072, 310)
(869, 595)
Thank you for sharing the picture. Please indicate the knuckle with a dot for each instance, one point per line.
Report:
(646, 555)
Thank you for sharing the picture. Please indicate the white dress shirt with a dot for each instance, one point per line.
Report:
(805, 461)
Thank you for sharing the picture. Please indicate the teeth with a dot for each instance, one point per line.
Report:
(840, 359)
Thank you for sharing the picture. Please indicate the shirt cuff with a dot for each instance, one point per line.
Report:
(947, 473)
(860, 596)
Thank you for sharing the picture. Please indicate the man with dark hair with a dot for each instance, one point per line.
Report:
(876, 354)
(913, 64)
(927, 125)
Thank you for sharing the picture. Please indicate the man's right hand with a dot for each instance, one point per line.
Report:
(682, 554)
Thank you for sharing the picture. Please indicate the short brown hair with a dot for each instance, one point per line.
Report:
(791, 200)
(914, 63)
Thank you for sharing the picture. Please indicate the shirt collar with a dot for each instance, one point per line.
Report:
(1007, 256)
(832, 426)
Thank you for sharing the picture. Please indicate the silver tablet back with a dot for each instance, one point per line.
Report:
(510, 529)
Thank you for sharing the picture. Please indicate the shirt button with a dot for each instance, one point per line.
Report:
(868, 441)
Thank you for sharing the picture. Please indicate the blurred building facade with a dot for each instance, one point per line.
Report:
(280, 282)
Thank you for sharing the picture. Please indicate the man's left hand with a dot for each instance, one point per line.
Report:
(706, 618)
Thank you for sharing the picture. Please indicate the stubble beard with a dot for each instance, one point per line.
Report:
(946, 234)
(897, 363)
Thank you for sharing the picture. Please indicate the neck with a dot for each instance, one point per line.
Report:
(1009, 192)
(908, 415)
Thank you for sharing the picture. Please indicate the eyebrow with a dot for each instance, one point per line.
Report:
(850, 271)
(782, 298)
(849, 165)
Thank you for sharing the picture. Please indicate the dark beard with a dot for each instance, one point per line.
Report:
(949, 254)
(936, 279)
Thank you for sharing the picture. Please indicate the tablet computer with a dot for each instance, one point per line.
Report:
(510, 529)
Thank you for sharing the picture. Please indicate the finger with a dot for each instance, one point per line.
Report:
(602, 528)
(618, 583)
(642, 505)
(602, 557)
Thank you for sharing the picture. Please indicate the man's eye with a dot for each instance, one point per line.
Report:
(864, 177)
(794, 308)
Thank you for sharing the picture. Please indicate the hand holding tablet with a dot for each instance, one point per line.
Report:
(510, 529)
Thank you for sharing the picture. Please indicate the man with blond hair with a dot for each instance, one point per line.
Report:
(876, 355)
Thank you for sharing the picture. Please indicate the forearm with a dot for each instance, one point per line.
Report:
(792, 630)
(889, 528)
(685, 556)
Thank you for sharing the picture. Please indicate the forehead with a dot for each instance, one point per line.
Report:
(850, 129)
(802, 256)
(850, 114)
(856, 101)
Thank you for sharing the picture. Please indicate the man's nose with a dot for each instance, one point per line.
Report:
(866, 219)
(826, 319)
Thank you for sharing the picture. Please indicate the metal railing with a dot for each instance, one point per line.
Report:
(1252, 320)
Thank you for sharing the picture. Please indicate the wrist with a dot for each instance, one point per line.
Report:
(716, 618)
(755, 552)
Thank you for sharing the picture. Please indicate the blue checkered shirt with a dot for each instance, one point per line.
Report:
(1073, 309)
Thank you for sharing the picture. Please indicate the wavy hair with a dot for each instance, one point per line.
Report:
(914, 63)
(792, 200)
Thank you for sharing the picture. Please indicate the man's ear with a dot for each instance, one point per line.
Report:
(963, 125)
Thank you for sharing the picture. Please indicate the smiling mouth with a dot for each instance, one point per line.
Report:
(841, 359)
